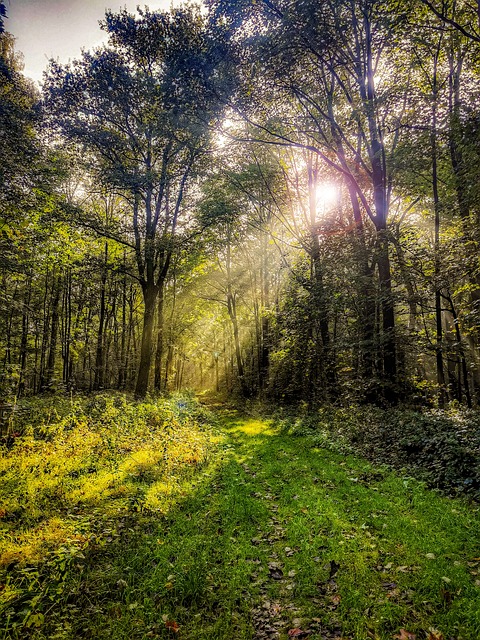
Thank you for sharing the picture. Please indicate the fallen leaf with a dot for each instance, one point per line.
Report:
(275, 572)
(334, 567)
(389, 585)
(172, 625)
(297, 633)
(447, 596)
(434, 634)
(405, 635)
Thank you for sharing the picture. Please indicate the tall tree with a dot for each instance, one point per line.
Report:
(141, 106)
(329, 67)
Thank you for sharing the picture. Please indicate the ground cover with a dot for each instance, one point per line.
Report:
(77, 475)
(274, 537)
(439, 446)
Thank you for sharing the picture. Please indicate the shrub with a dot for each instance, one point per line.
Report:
(441, 447)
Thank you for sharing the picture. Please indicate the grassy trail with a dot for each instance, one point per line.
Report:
(277, 539)
(285, 538)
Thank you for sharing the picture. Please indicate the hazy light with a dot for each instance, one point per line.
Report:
(223, 134)
(326, 196)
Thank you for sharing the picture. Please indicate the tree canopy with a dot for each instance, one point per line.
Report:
(276, 198)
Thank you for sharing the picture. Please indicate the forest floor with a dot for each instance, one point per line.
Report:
(279, 539)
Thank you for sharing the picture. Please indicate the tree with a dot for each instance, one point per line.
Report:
(326, 68)
(20, 149)
(141, 108)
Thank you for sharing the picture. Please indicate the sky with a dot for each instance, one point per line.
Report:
(59, 29)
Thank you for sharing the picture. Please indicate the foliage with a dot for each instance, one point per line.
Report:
(275, 533)
(439, 447)
(74, 473)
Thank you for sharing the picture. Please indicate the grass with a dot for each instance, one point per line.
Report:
(272, 534)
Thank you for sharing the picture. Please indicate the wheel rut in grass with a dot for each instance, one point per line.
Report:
(276, 613)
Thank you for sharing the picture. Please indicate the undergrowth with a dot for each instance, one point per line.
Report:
(440, 447)
(77, 475)
(131, 521)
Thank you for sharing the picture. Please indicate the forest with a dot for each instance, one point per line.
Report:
(240, 325)
(291, 214)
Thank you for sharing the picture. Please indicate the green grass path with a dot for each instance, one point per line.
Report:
(280, 537)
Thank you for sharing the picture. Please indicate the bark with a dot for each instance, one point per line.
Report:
(149, 298)
(52, 351)
(380, 181)
(323, 352)
(460, 172)
(67, 328)
(442, 393)
(387, 307)
(160, 331)
(45, 332)
(122, 369)
(100, 351)
(168, 365)
(264, 360)
(367, 293)
(232, 312)
(24, 338)
(463, 372)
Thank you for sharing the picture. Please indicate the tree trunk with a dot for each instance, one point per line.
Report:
(460, 171)
(442, 392)
(52, 352)
(387, 308)
(24, 338)
(264, 360)
(67, 328)
(160, 329)
(366, 291)
(100, 351)
(232, 312)
(149, 298)
(463, 368)
(122, 369)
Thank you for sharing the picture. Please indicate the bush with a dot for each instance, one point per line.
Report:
(76, 475)
(440, 447)
(69, 456)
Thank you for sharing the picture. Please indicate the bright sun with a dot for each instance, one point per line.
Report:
(326, 196)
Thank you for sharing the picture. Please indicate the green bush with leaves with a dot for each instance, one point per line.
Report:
(74, 472)
(440, 447)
